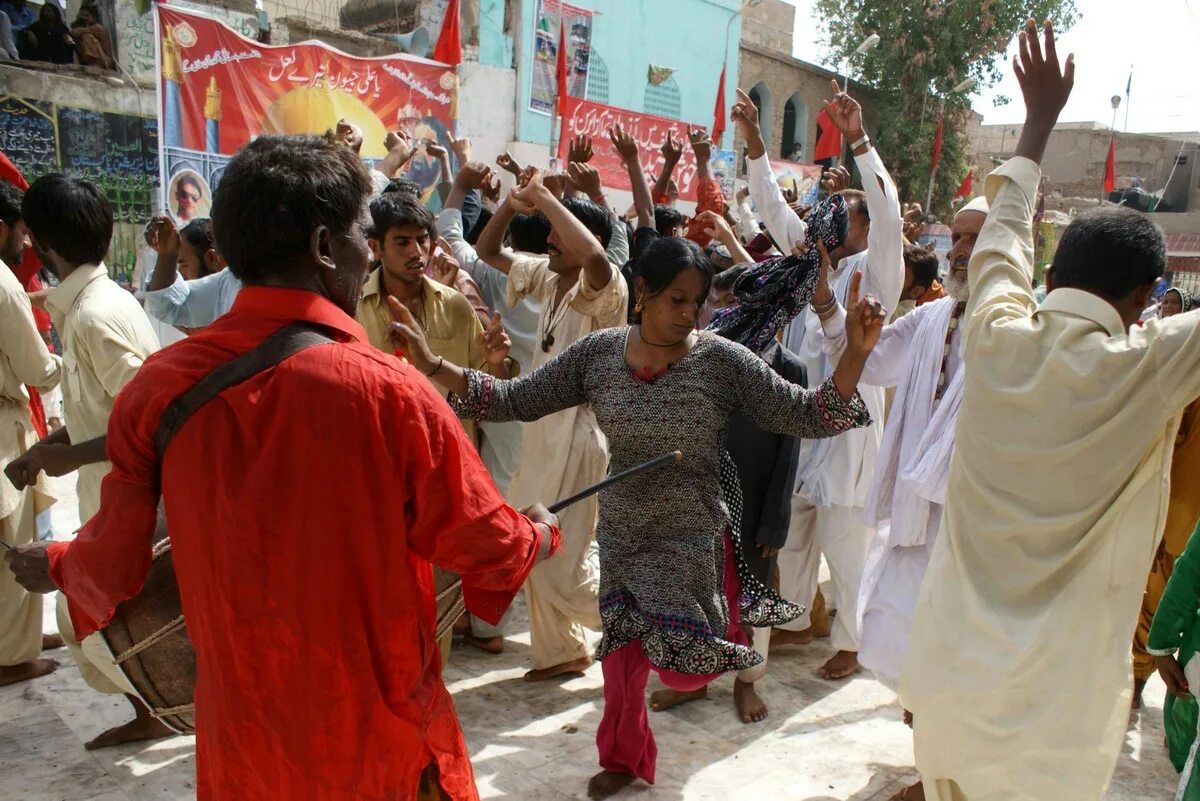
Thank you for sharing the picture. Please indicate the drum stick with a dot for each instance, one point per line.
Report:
(666, 458)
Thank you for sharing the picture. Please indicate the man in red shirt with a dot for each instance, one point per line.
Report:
(332, 481)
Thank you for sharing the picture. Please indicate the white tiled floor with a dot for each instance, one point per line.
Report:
(823, 740)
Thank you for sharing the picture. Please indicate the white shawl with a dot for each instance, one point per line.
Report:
(918, 440)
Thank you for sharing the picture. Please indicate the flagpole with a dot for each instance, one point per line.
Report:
(933, 167)
(558, 93)
(1128, 87)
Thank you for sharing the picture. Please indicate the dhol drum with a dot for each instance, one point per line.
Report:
(150, 643)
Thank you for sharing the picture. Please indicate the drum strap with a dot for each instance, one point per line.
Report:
(287, 341)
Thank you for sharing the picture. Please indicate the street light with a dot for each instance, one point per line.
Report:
(964, 86)
(867, 44)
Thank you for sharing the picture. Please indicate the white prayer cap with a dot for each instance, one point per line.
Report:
(977, 204)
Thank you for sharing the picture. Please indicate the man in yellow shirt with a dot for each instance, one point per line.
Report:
(106, 336)
(403, 245)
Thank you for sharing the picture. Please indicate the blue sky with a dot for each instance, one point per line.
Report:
(1161, 41)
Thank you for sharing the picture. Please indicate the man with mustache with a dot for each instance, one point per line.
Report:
(580, 291)
(918, 355)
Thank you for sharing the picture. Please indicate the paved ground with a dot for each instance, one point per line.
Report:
(823, 740)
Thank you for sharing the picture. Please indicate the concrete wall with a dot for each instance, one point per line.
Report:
(1075, 158)
(770, 25)
(135, 32)
(60, 119)
(629, 36)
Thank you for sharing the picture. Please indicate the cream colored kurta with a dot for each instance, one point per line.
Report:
(24, 359)
(1019, 669)
(106, 336)
(560, 455)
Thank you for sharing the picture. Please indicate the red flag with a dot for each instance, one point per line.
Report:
(829, 139)
(718, 129)
(937, 147)
(964, 189)
(1110, 166)
(448, 49)
(560, 71)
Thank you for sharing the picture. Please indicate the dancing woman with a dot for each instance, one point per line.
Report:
(670, 598)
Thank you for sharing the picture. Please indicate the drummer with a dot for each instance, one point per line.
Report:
(330, 480)
(106, 336)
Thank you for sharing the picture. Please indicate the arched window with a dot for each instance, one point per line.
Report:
(663, 100)
(597, 82)
(760, 95)
(795, 128)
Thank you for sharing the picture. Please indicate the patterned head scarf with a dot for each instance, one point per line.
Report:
(774, 291)
(1186, 299)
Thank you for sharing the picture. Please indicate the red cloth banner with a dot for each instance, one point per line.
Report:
(594, 119)
(213, 78)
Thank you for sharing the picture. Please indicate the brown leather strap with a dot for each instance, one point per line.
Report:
(287, 341)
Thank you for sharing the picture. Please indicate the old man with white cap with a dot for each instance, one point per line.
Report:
(918, 354)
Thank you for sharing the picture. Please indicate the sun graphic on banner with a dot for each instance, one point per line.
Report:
(314, 110)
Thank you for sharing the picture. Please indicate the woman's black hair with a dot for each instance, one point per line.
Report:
(666, 258)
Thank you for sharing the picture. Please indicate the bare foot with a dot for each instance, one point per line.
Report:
(574, 667)
(51, 641)
(607, 783)
(662, 700)
(492, 645)
(842, 665)
(463, 624)
(1138, 686)
(914, 792)
(750, 706)
(782, 637)
(11, 674)
(144, 726)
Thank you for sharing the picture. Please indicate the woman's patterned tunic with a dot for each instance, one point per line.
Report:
(660, 534)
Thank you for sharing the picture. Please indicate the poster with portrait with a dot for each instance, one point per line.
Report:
(219, 89)
(723, 169)
(577, 24)
(804, 178)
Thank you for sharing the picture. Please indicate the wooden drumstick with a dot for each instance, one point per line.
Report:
(666, 458)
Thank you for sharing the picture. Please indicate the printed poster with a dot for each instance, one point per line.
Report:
(804, 178)
(219, 90)
(594, 119)
(577, 22)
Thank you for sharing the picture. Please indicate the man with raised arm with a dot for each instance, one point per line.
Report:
(1018, 673)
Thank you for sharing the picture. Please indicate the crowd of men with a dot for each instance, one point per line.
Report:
(990, 532)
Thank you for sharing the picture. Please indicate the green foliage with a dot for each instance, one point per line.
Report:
(927, 48)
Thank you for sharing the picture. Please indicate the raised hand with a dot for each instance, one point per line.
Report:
(556, 183)
(461, 148)
(491, 189)
(443, 264)
(624, 143)
(742, 195)
(526, 175)
(437, 151)
(579, 151)
(585, 178)
(495, 343)
(507, 163)
(163, 236)
(701, 145)
(530, 192)
(474, 175)
(400, 143)
(914, 221)
(717, 227)
(1044, 85)
(835, 180)
(745, 114)
(845, 112)
(865, 318)
(672, 149)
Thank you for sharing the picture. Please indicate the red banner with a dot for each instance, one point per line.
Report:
(594, 119)
(219, 90)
